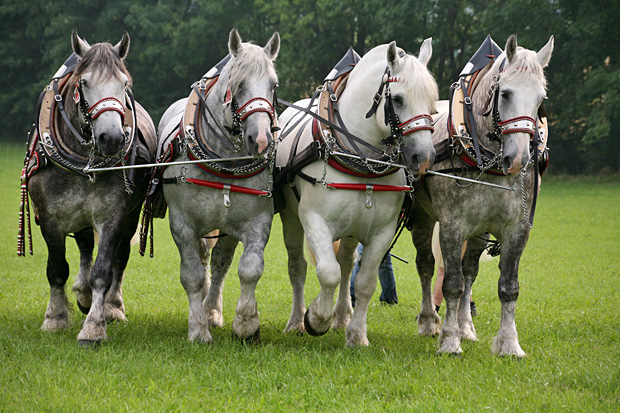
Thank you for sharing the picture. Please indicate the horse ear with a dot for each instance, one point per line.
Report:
(511, 47)
(80, 47)
(392, 55)
(544, 54)
(426, 51)
(273, 46)
(122, 47)
(234, 42)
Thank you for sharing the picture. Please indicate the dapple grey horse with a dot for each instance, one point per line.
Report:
(512, 89)
(97, 103)
(234, 120)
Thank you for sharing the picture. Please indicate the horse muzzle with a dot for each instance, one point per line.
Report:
(419, 156)
(110, 144)
(258, 137)
(516, 153)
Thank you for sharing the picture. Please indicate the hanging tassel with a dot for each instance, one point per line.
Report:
(147, 223)
(24, 216)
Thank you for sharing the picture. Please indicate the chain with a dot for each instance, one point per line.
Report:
(485, 166)
(526, 215)
(125, 180)
(194, 147)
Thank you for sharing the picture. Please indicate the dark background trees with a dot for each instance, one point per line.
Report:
(174, 42)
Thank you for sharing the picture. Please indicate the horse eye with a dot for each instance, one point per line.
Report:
(398, 100)
(506, 94)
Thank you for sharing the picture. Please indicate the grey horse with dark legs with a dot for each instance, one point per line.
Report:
(101, 125)
(232, 116)
(513, 88)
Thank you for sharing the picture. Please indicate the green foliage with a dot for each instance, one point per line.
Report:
(567, 320)
(175, 42)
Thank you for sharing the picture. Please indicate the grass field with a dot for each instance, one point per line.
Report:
(568, 318)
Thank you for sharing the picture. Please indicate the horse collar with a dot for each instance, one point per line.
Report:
(48, 131)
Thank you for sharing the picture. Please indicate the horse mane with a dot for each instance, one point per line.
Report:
(106, 63)
(419, 82)
(251, 62)
(104, 59)
(524, 65)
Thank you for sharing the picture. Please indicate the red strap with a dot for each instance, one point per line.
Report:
(233, 188)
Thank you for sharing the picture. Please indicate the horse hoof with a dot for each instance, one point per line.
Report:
(89, 344)
(84, 310)
(253, 339)
(311, 330)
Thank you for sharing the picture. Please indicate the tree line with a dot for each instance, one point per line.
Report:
(174, 42)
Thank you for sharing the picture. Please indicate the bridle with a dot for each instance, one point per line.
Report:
(525, 124)
(398, 129)
(91, 113)
(239, 114)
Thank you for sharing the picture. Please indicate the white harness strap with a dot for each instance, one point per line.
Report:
(420, 122)
(519, 124)
(256, 105)
(105, 105)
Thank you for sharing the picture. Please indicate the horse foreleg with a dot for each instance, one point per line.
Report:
(221, 259)
(85, 241)
(506, 343)
(94, 328)
(293, 234)
(343, 310)
(318, 318)
(114, 305)
(471, 265)
(57, 313)
(246, 324)
(192, 276)
(429, 323)
(365, 285)
(451, 241)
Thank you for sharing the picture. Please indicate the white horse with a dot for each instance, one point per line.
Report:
(511, 90)
(234, 119)
(366, 205)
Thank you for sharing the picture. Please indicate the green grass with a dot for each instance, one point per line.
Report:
(568, 319)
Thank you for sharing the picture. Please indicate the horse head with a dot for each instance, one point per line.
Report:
(250, 91)
(519, 94)
(99, 89)
(409, 103)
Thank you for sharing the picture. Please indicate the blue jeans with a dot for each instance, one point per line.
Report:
(386, 279)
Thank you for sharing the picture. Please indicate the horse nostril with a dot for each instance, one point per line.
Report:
(506, 164)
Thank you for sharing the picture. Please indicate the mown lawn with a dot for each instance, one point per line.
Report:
(568, 319)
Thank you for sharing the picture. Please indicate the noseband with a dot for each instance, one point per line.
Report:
(254, 105)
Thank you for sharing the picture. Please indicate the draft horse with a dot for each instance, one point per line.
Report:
(372, 134)
(227, 124)
(87, 118)
(493, 129)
